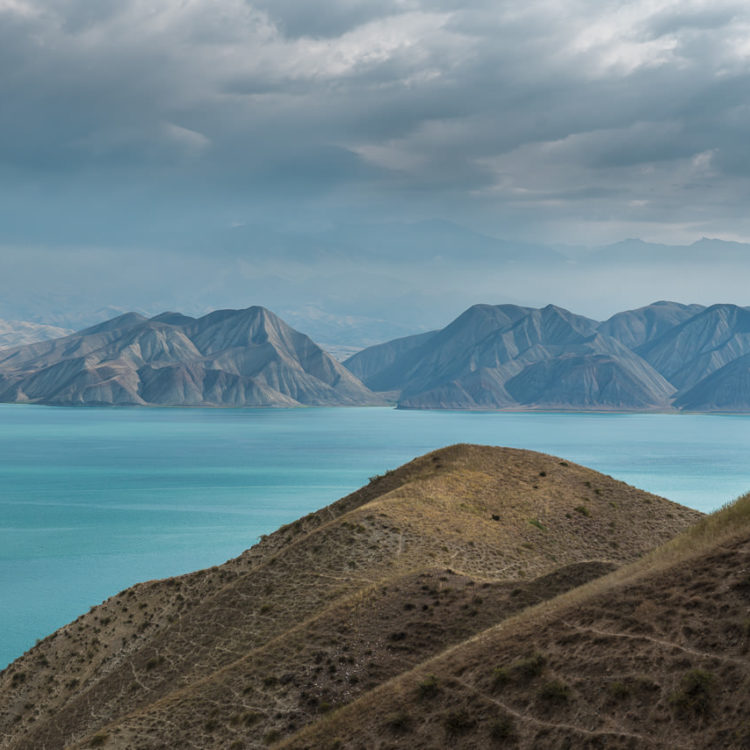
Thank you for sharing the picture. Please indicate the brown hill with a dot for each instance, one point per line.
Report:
(654, 655)
(327, 609)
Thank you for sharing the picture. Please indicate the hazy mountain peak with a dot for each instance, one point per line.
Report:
(244, 357)
(126, 320)
(173, 318)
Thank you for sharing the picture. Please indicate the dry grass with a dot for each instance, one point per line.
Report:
(654, 655)
(327, 609)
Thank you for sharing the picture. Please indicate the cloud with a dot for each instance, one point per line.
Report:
(539, 116)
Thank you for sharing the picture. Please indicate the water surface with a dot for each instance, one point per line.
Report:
(93, 500)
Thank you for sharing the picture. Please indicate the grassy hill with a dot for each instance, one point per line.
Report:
(345, 607)
(654, 655)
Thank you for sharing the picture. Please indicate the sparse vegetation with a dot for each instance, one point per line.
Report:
(502, 728)
(458, 721)
(693, 697)
(399, 722)
(528, 667)
(555, 691)
(618, 690)
(428, 688)
(500, 678)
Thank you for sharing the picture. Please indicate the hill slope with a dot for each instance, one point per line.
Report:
(654, 655)
(326, 609)
(227, 358)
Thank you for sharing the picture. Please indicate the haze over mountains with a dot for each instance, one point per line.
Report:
(358, 284)
(666, 355)
(19, 332)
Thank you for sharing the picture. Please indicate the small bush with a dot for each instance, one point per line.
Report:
(618, 690)
(536, 522)
(428, 688)
(583, 510)
(694, 694)
(99, 739)
(272, 736)
(502, 729)
(555, 692)
(528, 668)
(458, 722)
(500, 678)
(399, 723)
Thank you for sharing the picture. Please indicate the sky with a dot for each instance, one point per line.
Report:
(203, 153)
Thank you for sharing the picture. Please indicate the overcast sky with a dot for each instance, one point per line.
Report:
(137, 127)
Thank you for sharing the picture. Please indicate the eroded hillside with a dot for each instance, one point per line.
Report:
(325, 610)
(655, 655)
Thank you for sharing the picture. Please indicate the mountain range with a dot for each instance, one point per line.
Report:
(226, 358)
(474, 597)
(663, 356)
(19, 332)
(666, 356)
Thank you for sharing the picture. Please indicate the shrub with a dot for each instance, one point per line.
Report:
(536, 522)
(531, 666)
(428, 688)
(500, 678)
(555, 692)
(694, 694)
(583, 510)
(399, 723)
(458, 722)
(272, 736)
(98, 739)
(618, 690)
(502, 729)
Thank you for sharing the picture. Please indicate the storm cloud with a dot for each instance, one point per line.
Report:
(151, 125)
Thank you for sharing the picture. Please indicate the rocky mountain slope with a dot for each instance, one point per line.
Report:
(330, 610)
(508, 357)
(226, 358)
(637, 327)
(654, 655)
(19, 332)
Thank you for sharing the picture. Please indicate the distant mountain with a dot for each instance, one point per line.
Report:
(726, 389)
(637, 327)
(507, 356)
(19, 332)
(662, 356)
(226, 358)
(701, 345)
(375, 359)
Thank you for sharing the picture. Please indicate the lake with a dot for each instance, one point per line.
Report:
(93, 500)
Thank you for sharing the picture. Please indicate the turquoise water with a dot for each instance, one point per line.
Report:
(93, 500)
